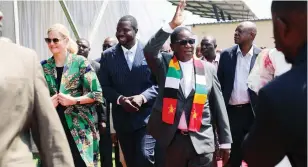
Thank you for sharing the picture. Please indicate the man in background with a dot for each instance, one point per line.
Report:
(234, 67)
(108, 43)
(208, 50)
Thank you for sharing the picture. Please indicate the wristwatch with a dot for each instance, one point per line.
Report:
(78, 101)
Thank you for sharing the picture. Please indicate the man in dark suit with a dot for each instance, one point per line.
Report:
(233, 70)
(181, 117)
(101, 115)
(126, 82)
(280, 128)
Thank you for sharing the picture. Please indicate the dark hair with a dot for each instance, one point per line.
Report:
(174, 35)
(288, 6)
(132, 20)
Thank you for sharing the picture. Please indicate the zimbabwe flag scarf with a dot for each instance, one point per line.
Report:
(172, 85)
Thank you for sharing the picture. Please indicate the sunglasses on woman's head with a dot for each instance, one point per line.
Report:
(54, 40)
(185, 41)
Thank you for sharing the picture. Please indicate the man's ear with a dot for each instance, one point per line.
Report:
(282, 26)
(136, 30)
(172, 47)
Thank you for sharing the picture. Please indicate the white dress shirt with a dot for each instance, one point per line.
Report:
(130, 54)
(187, 81)
(187, 84)
(239, 93)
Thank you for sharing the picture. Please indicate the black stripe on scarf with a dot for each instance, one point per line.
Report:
(170, 93)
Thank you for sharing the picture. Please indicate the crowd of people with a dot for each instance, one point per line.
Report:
(165, 104)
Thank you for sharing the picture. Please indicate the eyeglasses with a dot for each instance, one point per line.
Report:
(54, 40)
(184, 42)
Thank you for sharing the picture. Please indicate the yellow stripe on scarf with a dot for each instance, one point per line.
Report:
(175, 65)
(200, 98)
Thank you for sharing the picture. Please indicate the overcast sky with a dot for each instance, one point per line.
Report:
(261, 8)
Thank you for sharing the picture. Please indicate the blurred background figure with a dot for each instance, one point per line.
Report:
(166, 48)
(198, 51)
(270, 63)
(108, 43)
(208, 50)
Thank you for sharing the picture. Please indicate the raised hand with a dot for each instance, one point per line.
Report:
(178, 17)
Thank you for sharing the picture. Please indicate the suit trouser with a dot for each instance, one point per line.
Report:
(241, 118)
(138, 148)
(181, 153)
(105, 148)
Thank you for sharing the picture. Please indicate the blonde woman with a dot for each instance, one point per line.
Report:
(74, 90)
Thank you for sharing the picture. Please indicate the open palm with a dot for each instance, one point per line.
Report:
(178, 17)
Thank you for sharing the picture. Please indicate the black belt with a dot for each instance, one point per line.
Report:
(182, 132)
(239, 105)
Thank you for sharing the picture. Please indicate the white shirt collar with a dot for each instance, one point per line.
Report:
(133, 49)
(187, 62)
(250, 51)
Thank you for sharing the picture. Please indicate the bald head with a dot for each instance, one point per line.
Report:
(250, 26)
(245, 33)
(109, 42)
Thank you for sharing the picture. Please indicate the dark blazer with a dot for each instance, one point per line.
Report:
(280, 128)
(203, 140)
(100, 110)
(116, 79)
(226, 72)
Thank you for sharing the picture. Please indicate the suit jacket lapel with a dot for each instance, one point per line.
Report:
(138, 57)
(120, 58)
(233, 62)
(253, 59)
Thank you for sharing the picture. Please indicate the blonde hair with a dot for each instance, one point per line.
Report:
(72, 46)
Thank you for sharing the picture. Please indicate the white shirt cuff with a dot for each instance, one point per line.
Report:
(111, 120)
(225, 146)
(118, 100)
(167, 28)
(144, 99)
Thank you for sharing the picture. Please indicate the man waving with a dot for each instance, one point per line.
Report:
(189, 99)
